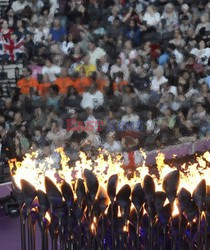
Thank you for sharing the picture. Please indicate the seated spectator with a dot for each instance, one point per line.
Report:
(132, 157)
(97, 28)
(130, 116)
(9, 110)
(129, 97)
(119, 83)
(165, 136)
(57, 135)
(116, 29)
(19, 5)
(67, 45)
(53, 97)
(6, 31)
(129, 54)
(133, 33)
(197, 114)
(158, 79)
(178, 41)
(35, 68)
(203, 26)
(83, 83)
(10, 17)
(41, 34)
(85, 68)
(72, 98)
(51, 70)
(45, 17)
(27, 82)
(57, 32)
(185, 25)
(36, 5)
(115, 14)
(169, 19)
(152, 17)
(119, 67)
(103, 65)
(21, 143)
(93, 98)
(43, 86)
(111, 144)
(7, 145)
(39, 137)
(21, 31)
(95, 53)
(202, 53)
(38, 120)
(64, 81)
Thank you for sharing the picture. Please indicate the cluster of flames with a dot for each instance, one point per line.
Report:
(34, 170)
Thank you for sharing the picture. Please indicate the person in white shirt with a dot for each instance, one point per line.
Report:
(96, 53)
(111, 145)
(41, 34)
(19, 5)
(202, 54)
(91, 123)
(151, 16)
(67, 45)
(158, 79)
(130, 116)
(203, 24)
(170, 16)
(128, 55)
(51, 70)
(115, 13)
(92, 99)
(36, 5)
(58, 135)
(104, 64)
(119, 67)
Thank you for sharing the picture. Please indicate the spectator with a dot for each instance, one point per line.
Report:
(7, 144)
(51, 70)
(152, 17)
(111, 144)
(57, 135)
(57, 32)
(119, 67)
(6, 31)
(158, 79)
(133, 33)
(85, 68)
(53, 99)
(92, 98)
(19, 5)
(27, 83)
(95, 53)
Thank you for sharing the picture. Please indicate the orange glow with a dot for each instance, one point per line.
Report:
(47, 216)
(33, 169)
(175, 210)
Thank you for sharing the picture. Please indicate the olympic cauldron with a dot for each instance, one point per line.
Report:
(98, 205)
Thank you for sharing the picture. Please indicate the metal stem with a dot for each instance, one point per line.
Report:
(23, 232)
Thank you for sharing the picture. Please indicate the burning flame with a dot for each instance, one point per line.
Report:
(34, 169)
(47, 216)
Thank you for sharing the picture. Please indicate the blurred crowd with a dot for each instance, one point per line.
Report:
(107, 60)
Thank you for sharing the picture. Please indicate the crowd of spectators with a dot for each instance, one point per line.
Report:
(107, 60)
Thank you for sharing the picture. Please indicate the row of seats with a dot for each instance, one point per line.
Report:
(3, 6)
(8, 77)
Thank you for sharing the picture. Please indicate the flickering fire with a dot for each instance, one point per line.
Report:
(34, 170)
